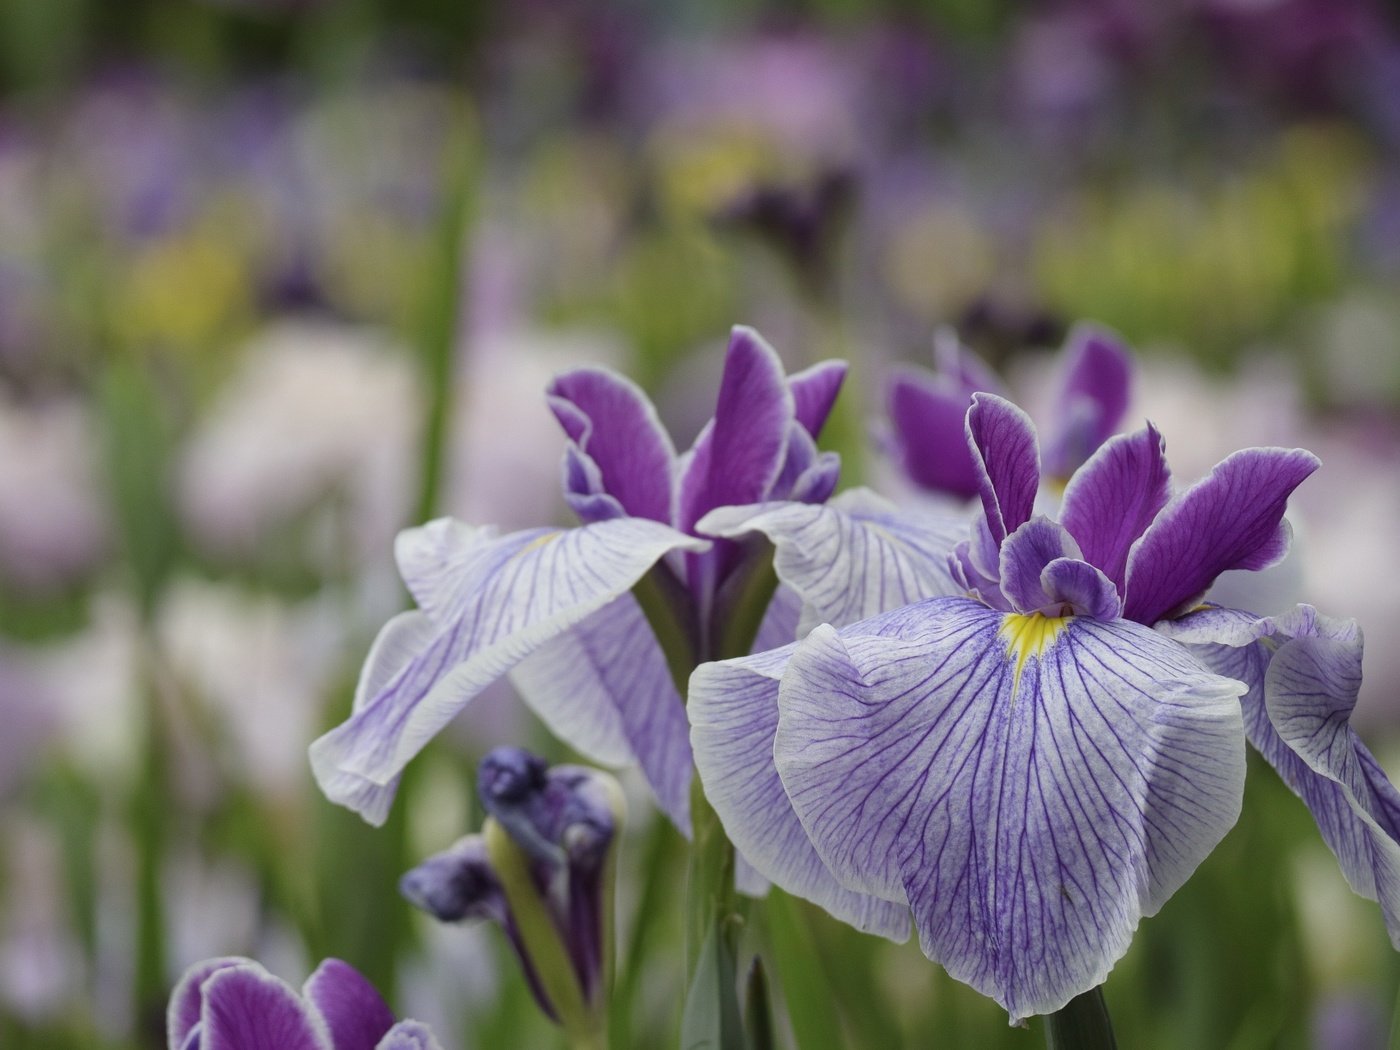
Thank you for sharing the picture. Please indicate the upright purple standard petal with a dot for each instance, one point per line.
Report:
(814, 391)
(734, 717)
(927, 415)
(1004, 451)
(1112, 499)
(609, 418)
(1231, 519)
(516, 593)
(1024, 556)
(1031, 786)
(187, 1000)
(738, 458)
(353, 1010)
(1094, 397)
(246, 1008)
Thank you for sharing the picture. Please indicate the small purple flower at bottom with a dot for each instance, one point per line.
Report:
(542, 870)
(234, 1004)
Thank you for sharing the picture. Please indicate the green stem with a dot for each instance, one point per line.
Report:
(1081, 1024)
(710, 887)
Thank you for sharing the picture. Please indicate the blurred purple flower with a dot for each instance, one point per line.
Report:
(234, 1004)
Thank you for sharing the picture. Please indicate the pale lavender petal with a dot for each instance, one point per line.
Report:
(734, 716)
(604, 687)
(1303, 680)
(851, 558)
(1113, 498)
(814, 391)
(1002, 440)
(1024, 556)
(780, 620)
(246, 1008)
(355, 1013)
(187, 1000)
(612, 420)
(517, 593)
(436, 561)
(409, 1035)
(1093, 399)
(1231, 519)
(1086, 590)
(929, 441)
(737, 460)
(1031, 807)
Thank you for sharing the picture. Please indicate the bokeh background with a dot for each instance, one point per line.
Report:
(280, 277)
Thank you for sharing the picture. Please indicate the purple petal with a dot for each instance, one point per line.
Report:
(584, 489)
(1004, 452)
(457, 884)
(609, 418)
(1303, 683)
(604, 687)
(814, 391)
(1231, 519)
(353, 1010)
(409, 1035)
(246, 1008)
(1032, 798)
(1114, 497)
(959, 366)
(187, 1000)
(1024, 555)
(737, 460)
(927, 415)
(734, 717)
(1086, 590)
(516, 593)
(1093, 400)
(851, 558)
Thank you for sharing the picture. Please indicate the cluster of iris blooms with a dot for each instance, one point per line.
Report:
(1014, 731)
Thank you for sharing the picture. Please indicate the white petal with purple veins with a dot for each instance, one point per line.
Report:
(516, 593)
(1033, 787)
(734, 716)
(851, 558)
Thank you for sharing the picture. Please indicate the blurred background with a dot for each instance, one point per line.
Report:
(280, 277)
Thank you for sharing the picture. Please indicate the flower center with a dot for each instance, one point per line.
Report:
(1027, 635)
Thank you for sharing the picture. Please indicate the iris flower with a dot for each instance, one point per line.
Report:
(1030, 765)
(926, 409)
(555, 606)
(234, 1004)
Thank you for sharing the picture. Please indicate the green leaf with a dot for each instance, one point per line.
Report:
(711, 1018)
(758, 1010)
(806, 987)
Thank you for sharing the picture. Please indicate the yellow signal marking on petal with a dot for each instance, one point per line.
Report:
(538, 542)
(1027, 635)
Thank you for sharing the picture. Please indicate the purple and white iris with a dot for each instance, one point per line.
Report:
(235, 1004)
(1030, 765)
(926, 409)
(555, 608)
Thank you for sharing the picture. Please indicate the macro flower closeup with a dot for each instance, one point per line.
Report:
(235, 1004)
(554, 606)
(1031, 764)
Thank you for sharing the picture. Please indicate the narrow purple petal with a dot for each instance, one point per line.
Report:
(734, 717)
(959, 366)
(246, 1008)
(814, 391)
(1093, 400)
(409, 1035)
(930, 444)
(851, 558)
(515, 594)
(605, 681)
(1231, 519)
(1024, 556)
(737, 460)
(1002, 440)
(187, 1000)
(609, 418)
(1086, 590)
(1112, 499)
(1030, 803)
(353, 1010)
(584, 490)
